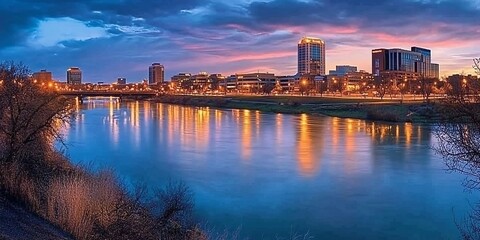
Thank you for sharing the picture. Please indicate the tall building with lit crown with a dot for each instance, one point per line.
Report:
(74, 76)
(311, 56)
(156, 74)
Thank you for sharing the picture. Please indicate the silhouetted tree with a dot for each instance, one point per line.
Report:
(30, 116)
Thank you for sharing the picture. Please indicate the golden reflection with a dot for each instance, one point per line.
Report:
(257, 123)
(160, 112)
(397, 134)
(218, 124)
(419, 134)
(135, 121)
(171, 121)
(202, 128)
(305, 147)
(246, 135)
(336, 131)
(408, 134)
(236, 116)
(279, 128)
(77, 104)
(189, 126)
(112, 106)
(405, 133)
(350, 140)
(146, 112)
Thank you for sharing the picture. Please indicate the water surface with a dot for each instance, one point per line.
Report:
(274, 174)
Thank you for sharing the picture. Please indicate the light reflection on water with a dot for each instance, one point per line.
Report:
(273, 173)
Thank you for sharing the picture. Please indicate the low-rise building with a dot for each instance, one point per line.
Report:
(42, 77)
(121, 81)
(253, 82)
(463, 84)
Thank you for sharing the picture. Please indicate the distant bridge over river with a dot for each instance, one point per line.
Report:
(108, 93)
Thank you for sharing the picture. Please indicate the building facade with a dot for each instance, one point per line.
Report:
(287, 83)
(156, 74)
(357, 80)
(417, 60)
(74, 76)
(253, 82)
(311, 56)
(463, 84)
(343, 70)
(424, 65)
(435, 70)
(42, 77)
(121, 81)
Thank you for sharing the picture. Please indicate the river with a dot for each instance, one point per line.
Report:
(273, 174)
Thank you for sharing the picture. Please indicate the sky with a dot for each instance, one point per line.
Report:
(121, 38)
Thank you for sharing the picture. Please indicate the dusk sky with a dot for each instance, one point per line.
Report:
(110, 39)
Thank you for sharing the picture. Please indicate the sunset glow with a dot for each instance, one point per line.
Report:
(108, 39)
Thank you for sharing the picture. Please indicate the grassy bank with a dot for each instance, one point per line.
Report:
(369, 109)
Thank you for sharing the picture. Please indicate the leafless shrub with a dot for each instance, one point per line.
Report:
(173, 206)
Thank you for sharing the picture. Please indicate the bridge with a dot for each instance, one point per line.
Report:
(109, 93)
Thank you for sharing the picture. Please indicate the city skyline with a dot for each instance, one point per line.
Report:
(108, 40)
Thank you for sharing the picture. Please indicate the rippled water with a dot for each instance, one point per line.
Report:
(274, 174)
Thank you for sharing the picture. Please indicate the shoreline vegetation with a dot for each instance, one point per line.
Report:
(386, 110)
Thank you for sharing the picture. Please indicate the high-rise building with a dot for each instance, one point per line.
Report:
(43, 76)
(311, 56)
(424, 65)
(74, 76)
(156, 74)
(417, 61)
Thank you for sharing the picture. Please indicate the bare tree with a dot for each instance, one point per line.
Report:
(459, 138)
(30, 116)
(426, 87)
(476, 65)
(459, 144)
(268, 88)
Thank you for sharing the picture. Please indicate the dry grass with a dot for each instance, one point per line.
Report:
(96, 206)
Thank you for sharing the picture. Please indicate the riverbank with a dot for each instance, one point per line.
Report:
(16, 222)
(368, 109)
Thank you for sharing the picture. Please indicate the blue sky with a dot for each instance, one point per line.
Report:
(110, 39)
